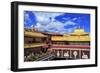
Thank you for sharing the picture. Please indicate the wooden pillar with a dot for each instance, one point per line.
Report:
(79, 54)
(70, 54)
(62, 53)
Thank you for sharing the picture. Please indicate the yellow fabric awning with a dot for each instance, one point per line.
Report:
(34, 45)
(34, 34)
(71, 38)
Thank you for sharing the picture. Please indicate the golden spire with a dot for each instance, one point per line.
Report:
(79, 31)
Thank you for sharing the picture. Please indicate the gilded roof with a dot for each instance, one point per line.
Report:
(34, 34)
(79, 32)
(77, 35)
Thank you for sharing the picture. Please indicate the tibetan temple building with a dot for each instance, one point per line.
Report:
(35, 46)
(73, 46)
(53, 46)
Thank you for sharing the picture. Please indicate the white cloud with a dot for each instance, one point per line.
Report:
(45, 17)
(74, 19)
(70, 30)
(70, 23)
(27, 18)
(43, 20)
(68, 18)
(46, 22)
(47, 14)
(39, 27)
(26, 15)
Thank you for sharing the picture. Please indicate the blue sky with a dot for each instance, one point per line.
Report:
(56, 22)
